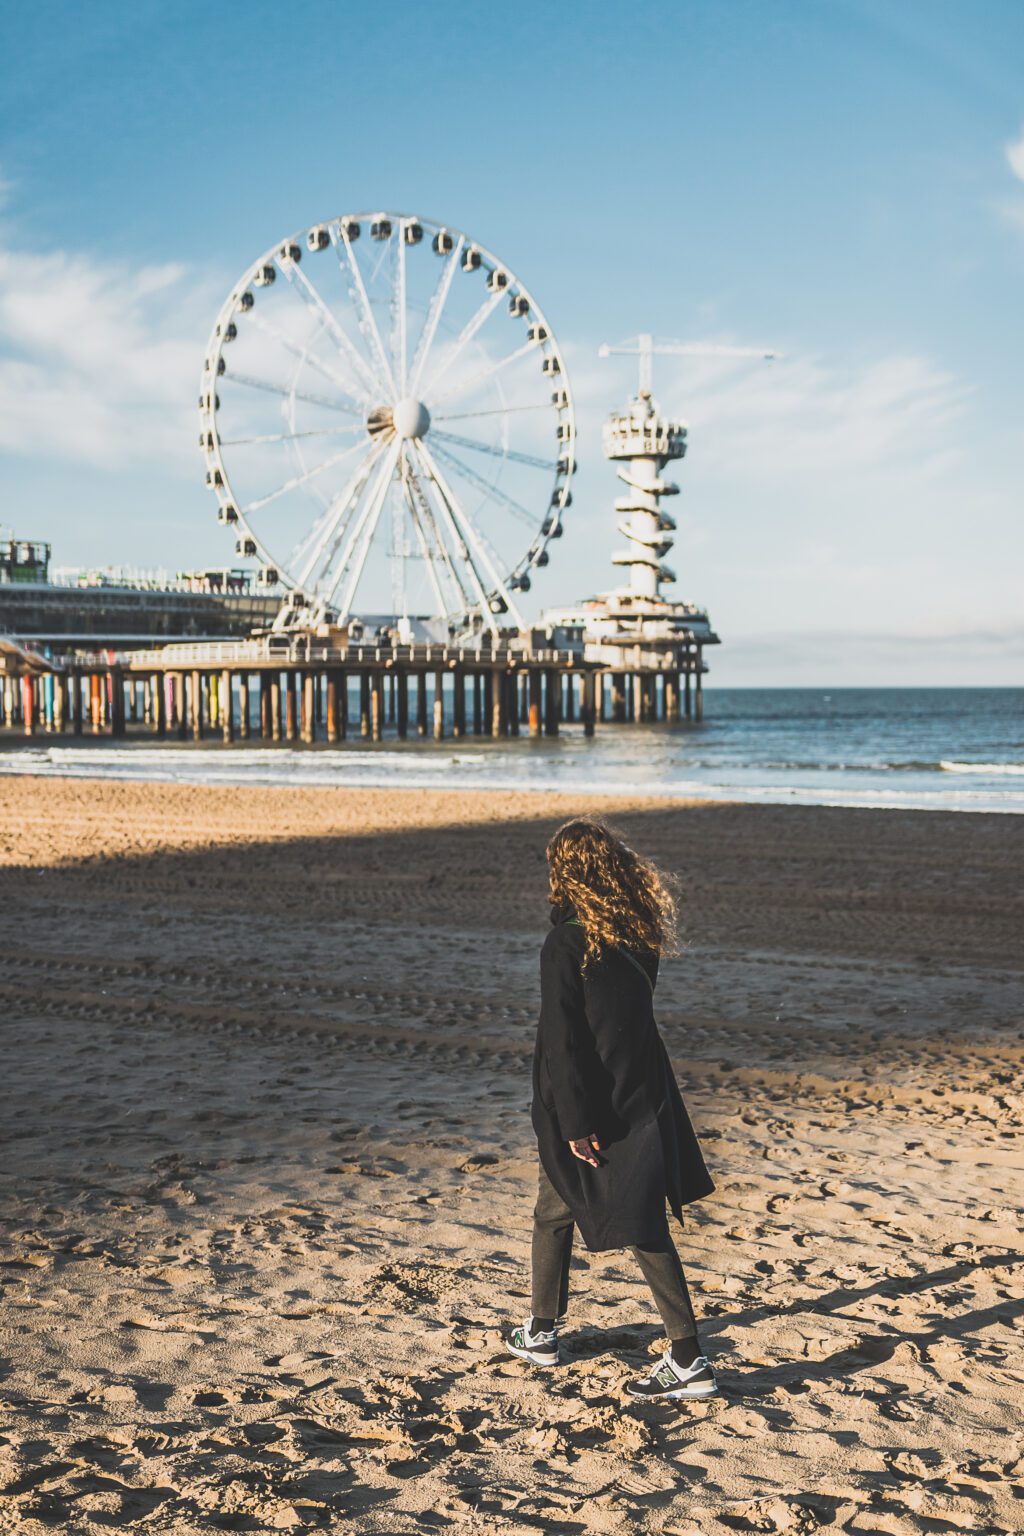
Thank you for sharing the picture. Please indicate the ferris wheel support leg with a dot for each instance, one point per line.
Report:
(421, 703)
(439, 705)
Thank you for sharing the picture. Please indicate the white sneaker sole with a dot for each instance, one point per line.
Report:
(675, 1394)
(534, 1357)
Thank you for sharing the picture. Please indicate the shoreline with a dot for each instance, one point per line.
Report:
(426, 767)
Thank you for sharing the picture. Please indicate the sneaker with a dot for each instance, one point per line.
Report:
(538, 1348)
(669, 1380)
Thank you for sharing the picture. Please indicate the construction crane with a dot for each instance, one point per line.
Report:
(644, 347)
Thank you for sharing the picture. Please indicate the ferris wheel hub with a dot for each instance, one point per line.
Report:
(411, 418)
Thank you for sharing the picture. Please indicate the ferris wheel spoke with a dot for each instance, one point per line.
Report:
(368, 324)
(494, 491)
(328, 530)
(424, 522)
(251, 382)
(360, 537)
(310, 294)
(303, 479)
(465, 336)
(307, 355)
(399, 337)
(417, 520)
(463, 548)
(500, 410)
(485, 373)
(284, 437)
(471, 534)
(499, 453)
(438, 299)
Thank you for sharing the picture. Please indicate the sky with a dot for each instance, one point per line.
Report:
(839, 180)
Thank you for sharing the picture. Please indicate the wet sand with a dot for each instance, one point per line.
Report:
(268, 1171)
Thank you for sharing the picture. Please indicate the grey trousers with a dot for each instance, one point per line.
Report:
(552, 1250)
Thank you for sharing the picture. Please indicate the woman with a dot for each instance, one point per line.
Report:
(614, 1138)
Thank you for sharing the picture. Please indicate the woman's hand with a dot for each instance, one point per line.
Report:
(585, 1148)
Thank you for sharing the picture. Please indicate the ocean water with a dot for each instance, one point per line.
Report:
(959, 749)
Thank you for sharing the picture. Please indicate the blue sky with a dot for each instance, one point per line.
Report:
(841, 180)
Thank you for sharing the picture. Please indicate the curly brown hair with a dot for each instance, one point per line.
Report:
(618, 897)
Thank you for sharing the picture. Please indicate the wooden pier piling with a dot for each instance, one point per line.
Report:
(206, 690)
(535, 687)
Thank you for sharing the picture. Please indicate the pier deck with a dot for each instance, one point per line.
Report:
(301, 689)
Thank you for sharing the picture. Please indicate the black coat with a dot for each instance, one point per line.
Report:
(600, 1067)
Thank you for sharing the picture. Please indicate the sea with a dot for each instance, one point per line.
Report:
(949, 749)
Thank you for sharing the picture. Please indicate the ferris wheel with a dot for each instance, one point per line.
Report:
(388, 425)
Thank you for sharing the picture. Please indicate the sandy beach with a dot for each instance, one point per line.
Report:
(268, 1170)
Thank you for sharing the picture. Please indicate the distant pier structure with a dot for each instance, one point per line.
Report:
(398, 464)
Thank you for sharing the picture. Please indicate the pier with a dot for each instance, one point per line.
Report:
(301, 690)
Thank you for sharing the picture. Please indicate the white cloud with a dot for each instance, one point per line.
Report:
(99, 362)
(1015, 157)
(799, 414)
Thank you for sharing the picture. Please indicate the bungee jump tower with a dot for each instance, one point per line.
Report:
(635, 632)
